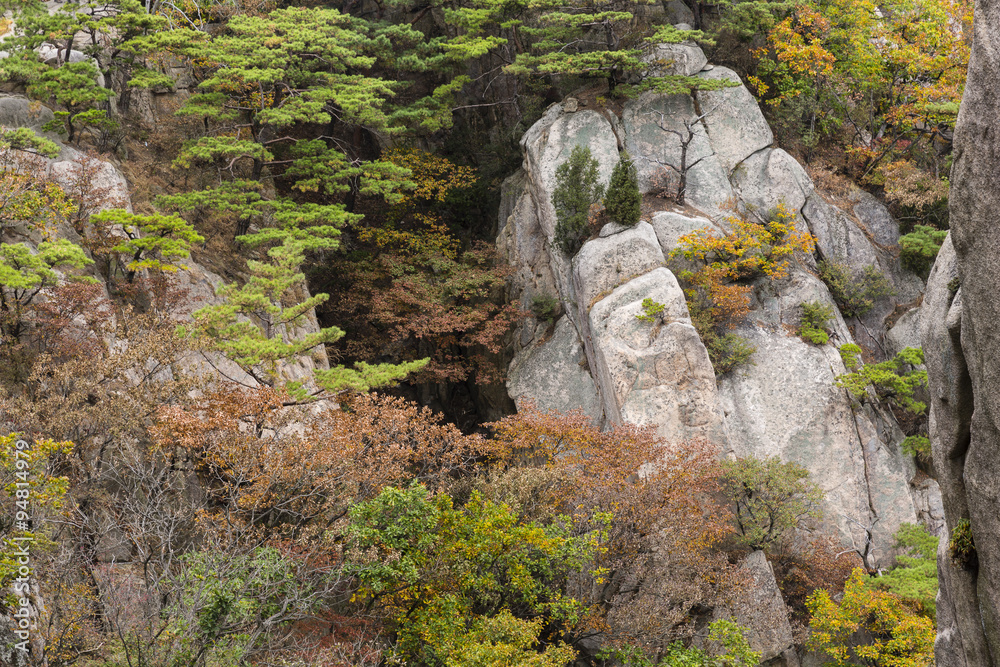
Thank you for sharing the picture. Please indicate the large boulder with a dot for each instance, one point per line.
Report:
(684, 59)
(762, 611)
(654, 373)
(655, 126)
(961, 640)
(607, 262)
(670, 226)
(771, 177)
(736, 126)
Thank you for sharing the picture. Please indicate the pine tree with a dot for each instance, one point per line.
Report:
(623, 202)
(253, 326)
(577, 189)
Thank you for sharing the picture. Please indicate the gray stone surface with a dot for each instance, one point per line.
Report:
(973, 203)
(605, 263)
(653, 148)
(961, 640)
(18, 111)
(772, 176)
(904, 333)
(735, 123)
(659, 373)
(671, 226)
(763, 612)
(785, 404)
(685, 59)
(552, 374)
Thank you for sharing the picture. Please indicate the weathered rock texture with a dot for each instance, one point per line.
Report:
(964, 365)
(599, 357)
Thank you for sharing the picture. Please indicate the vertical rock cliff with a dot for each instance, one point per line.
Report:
(962, 339)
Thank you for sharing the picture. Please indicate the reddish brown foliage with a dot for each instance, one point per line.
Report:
(659, 557)
(800, 571)
(283, 466)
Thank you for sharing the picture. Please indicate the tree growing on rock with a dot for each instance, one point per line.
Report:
(693, 128)
(622, 202)
(896, 636)
(769, 497)
(577, 191)
(258, 345)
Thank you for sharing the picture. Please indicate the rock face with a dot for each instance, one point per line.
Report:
(764, 614)
(654, 373)
(963, 364)
(602, 358)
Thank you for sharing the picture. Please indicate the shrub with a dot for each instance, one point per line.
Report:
(728, 351)
(768, 498)
(854, 295)
(813, 326)
(623, 201)
(577, 189)
(892, 380)
(748, 249)
(732, 650)
(917, 446)
(914, 579)
(896, 635)
(544, 307)
(962, 547)
(652, 310)
(919, 248)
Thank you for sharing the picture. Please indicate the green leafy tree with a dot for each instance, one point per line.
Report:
(266, 78)
(154, 242)
(577, 190)
(24, 274)
(74, 87)
(896, 635)
(914, 579)
(104, 31)
(919, 248)
(457, 582)
(769, 497)
(622, 201)
(255, 323)
(893, 380)
(814, 326)
(541, 39)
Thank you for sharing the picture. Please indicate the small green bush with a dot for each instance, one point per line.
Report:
(814, 324)
(962, 547)
(732, 650)
(914, 579)
(577, 189)
(623, 202)
(854, 295)
(652, 310)
(728, 351)
(544, 307)
(917, 446)
(919, 248)
(893, 380)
